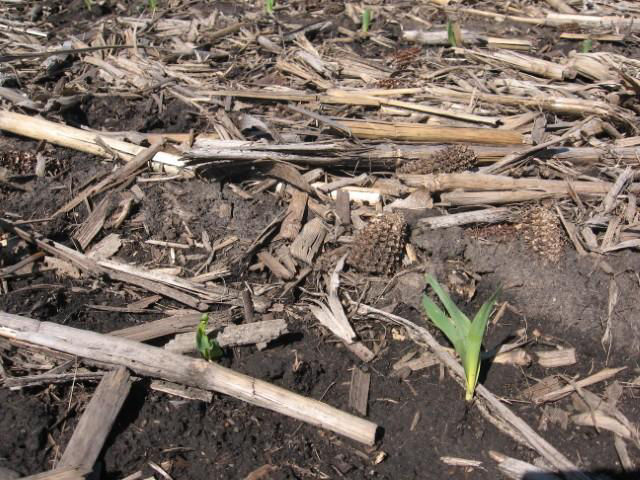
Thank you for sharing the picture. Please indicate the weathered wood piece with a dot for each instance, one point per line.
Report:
(487, 182)
(538, 390)
(247, 306)
(600, 376)
(465, 117)
(293, 221)
(517, 469)
(106, 247)
(438, 35)
(16, 383)
(175, 287)
(343, 182)
(509, 43)
(95, 424)
(487, 215)
(62, 267)
(123, 274)
(597, 418)
(343, 207)
(359, 391)
(289, 174)
(252, 333)
(610, 200)
(19, 98)
(519, 61)
(425, 360)
(59, 134)
(180, 323)
(94, 222)
(415, 132)
(331, 314)
(7, 271)
(134, 277)
(158, 363)
(274, 265)
(572, 106)
(232, 335)
(592, 22)
(8, 474)
(115, 178)
(309, 241)
(500, 197)
(190, 393)
(557, 358)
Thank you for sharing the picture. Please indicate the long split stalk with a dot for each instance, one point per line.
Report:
(158, 363)
(70, 137)
(414, 132)
(486, 182)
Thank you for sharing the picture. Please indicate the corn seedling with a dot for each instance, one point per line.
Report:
(366, 20)
(269, 5)
(209, 349)
(465, 335)
(88, 4)
(453, 31)
(153, 4)
(587, 45)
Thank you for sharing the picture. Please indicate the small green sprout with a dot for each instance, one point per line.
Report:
(209, 349)
(269, 5)
(466, 336)
(153, 5)
(88, 4)
(366, 20)
(587, 45)
(451, 34)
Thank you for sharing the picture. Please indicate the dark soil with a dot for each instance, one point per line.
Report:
(228, 438)
(423, 416)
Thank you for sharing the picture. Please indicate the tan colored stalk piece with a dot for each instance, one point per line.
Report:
(486, 182)
(415, 132)
(557, 358)
(65, 136)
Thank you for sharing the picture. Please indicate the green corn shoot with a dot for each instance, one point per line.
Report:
(153, 4)
(366, 20)
(465, 335)
(88, 4)
(269, 5)
(209, 349)
(587, 45)
(451, 34)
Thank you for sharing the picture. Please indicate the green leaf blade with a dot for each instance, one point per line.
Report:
(216, 351)
(269, 5)
(474, 344)
(366, 20)
(461, 320)
(444, 323)
(451, 36)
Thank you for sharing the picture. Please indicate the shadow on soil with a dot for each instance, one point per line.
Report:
(596, 474)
